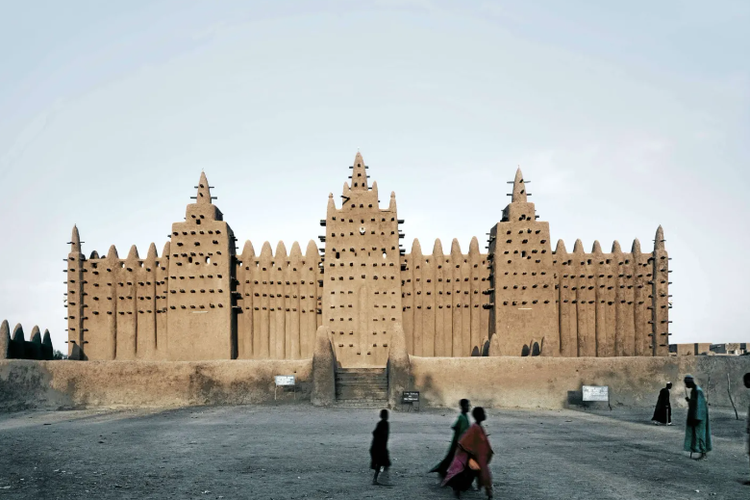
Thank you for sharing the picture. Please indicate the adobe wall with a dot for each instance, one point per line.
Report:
(278, 300)
(605, 301)
(67, 384)
(445, 304)
(544, 382)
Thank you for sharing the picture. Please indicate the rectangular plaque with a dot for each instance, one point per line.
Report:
(595, 393)
(410, 397)
(284, 379)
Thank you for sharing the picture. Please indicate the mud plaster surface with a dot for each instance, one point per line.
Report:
(285, 452)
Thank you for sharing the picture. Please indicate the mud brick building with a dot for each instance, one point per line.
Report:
(201, 300)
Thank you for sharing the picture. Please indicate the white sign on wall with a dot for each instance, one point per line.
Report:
(284, 379)
(595, 393)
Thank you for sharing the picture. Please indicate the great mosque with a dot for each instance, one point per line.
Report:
(199, 299)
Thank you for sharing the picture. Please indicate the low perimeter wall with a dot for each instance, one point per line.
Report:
(510, 382)
(74, 384)
(544, 382)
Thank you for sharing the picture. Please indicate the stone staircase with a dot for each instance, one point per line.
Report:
(361, 387)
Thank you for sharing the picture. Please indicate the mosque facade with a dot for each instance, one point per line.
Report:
(200, 299)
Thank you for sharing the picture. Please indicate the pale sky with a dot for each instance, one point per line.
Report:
(623, 115)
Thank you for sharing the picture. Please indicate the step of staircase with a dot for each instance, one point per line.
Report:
(361, 387)
(364, 404)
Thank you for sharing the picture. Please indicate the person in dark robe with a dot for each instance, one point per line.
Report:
(379, 458)
(459, 427)
(746, 380)
(472, 459)
(698, 428)
(663, 411)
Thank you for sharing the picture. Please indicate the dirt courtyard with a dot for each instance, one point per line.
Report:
(298, 451)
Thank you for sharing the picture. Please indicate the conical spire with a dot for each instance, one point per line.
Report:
(296, 252)
(455, 249)
(560, 248)
(474, 246)
(46, 340)
(438, 248)
(519, 188)
(151, 255)
(331, 204)
(112, 253)
(133, 254)
(18, 333)
(204, 191)
(265, 251)
(4, 339)
(616, 247)
(416, 248)
(636, 249)
(597, 248)
(94, 255)
(359, 174)
(165, 251)
(36, 335)
(311, 252)
(659, 243)
(280, 252)
(392, 204)
(578, 247)
(75, 240)
(248, 252)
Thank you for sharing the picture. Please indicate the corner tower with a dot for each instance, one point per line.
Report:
(523, 279)
(361, 272)
(200, 317)
(74, 272)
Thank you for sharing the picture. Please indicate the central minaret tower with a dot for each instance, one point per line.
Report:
(362, 274)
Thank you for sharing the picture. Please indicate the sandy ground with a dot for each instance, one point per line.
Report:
(287, 451)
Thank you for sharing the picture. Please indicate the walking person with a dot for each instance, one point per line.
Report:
(663, 410)
(459, 427)
(698, 428)
(379, 458)
(746, 380)
(472, 458)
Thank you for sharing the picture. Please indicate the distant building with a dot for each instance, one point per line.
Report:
(202, 300)
(705, 349)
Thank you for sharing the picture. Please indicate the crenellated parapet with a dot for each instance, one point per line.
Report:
(120, 317)
(278, 301)
(605, 300)
(15, 345)
(444, 300)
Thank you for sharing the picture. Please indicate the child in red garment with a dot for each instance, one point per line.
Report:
(472, 458)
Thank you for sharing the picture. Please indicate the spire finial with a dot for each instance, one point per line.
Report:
(519, 188)
(204, 191)
(75, 240)
(659, 240)
(359, 173)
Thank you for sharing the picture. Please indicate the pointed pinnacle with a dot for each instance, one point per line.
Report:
(519, 188)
